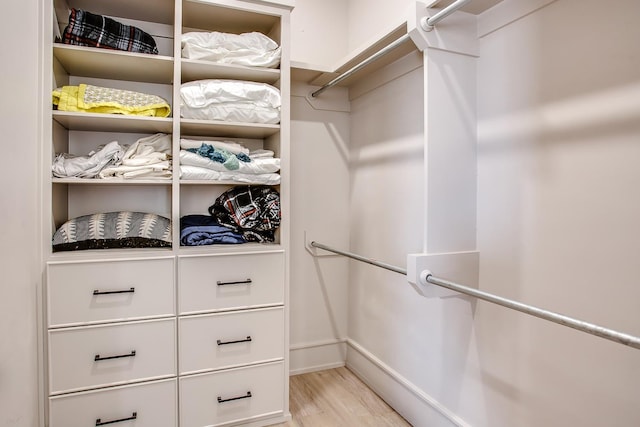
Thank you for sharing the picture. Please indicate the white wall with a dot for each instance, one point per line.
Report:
(370, 18)
(413, 188)
(558, 209)
(319, 211)
(319, 32)
(325, 32)
(19, 259)
(557, 222)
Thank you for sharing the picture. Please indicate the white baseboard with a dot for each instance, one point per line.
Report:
(417, 407)
(317, 356)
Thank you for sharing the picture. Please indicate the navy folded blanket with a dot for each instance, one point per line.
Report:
(199, 230)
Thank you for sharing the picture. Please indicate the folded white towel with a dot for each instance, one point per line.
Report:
(69, 165)
(148, 157)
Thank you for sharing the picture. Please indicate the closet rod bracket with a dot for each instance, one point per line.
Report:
(422, 20)
(463, 266)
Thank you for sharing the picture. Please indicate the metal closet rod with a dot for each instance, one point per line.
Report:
(433, 20)
(430, 22)
(561, 319)
(361, 258)
(363, 64)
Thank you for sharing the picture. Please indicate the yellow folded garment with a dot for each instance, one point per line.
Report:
(94, 99)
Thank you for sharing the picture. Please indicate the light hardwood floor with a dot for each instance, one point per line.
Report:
(337, 398)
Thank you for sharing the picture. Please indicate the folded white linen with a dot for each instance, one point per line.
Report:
(156, 170)
(230, 146)
(249, 49)
(261, 154)
(188, 172)
(148, 157)
(148, 150)
(254, 167)
(68, 165)
(230, 100)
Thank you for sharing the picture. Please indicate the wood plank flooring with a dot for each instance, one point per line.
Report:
(337, 398)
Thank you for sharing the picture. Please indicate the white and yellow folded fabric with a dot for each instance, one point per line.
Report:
(96, 99)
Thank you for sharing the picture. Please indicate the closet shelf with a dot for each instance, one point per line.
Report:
(112, 122)
(239, 249)
(213, 182)
(110, 64)
(193, 69)
(319, 76)
(227, 129)
(110, 181)
(113, 254)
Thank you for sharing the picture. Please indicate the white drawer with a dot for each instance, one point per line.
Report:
(230, 281)
(83, 293)
(230, 339)
(152, 404)
(232, 395)
(111, 354)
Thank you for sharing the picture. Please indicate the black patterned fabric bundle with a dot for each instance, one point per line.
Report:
(113, 230)
(88, 29)
(253, 211)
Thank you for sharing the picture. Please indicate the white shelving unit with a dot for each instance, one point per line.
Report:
(116, 318)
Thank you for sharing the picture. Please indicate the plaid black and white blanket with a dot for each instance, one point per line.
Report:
(88, 29)
(253, 211)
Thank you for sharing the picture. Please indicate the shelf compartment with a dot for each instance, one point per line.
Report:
(112, 122)
(193, 69)
(111, 64)
(161, 11)
(202, 15)
(228, 129)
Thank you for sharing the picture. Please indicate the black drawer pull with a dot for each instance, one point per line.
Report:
(246, 396)
(128, 291)
(241, 282)
(120, 356)
(247, 339)
(99, 421)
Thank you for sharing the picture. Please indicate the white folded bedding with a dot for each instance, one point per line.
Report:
(148, 157)
(248, 49)
(197, 173)
(230, 146)
(230, 100)
(254, 167)
(68, 165)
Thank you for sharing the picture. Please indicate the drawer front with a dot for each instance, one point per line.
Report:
(145, 405)
(90, 292)
(108, 355)
(230, 339)
(233, 395)
(222, 282)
